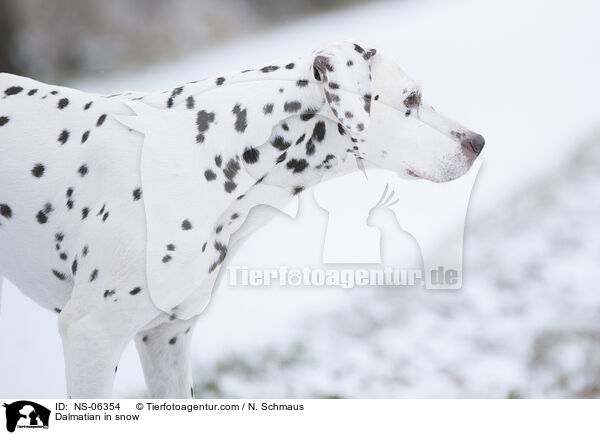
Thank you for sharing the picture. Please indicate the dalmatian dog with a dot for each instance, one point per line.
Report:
(117, 212)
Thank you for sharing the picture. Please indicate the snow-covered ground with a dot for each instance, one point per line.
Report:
(525, 75)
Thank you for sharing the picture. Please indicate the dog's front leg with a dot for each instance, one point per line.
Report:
(165, 353)
(94, 337)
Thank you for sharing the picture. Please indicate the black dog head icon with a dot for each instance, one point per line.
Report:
(31, 411)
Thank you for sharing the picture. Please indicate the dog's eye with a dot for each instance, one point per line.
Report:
(413, 100)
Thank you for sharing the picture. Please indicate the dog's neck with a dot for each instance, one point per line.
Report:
(281, 139)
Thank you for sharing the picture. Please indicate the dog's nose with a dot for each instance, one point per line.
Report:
(473, 142)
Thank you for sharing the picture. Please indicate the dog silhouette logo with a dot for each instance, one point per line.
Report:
(26, 414)
(412, 224)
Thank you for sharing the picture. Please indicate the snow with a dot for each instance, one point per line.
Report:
(525, 75)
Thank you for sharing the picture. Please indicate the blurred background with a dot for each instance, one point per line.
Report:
(523, 73)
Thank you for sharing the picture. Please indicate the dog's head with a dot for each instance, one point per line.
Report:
(392, 125)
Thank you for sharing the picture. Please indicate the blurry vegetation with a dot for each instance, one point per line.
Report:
(48, 39)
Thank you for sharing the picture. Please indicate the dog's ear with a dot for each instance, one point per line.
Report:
(345, 71)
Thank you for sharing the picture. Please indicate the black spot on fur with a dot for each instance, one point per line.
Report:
(270, 68)
(297, 190)
(367, 99)
(5, 211)
(166, 258)
(322, 64)
(240, 118)
(74, 266)
(307, 116)
(327, 162)
(94, 275)
(292, 106)
(4, 120)
(84, 213)
(301, 139)
(219, 229)
(87, 105)
(203, 120)
(222, 250)
(209, 175)
(190, 103)
(297, 165)
(319, 131)
(229, 186)
(59, 275)
(235, 216)
(290, 66)
(101, 120)
(368, 54)
(310, 147)
(63, 256)
(62, 103)
(42, 215)
(58, 310)
(350, 62)
(218, 160)
(83, 170)
(145, 338)
(173, 340)
(186, 225)
(137, 194)
(204, 247)
(302, 83)
(251, 155)
(170, 247)
(220, 81)
(85, 136)
(231, 169)
(63, 137)
(358, 49)
(108, 293)
(38, 170)
(316, 74)
(268, 109)
(13, 90)
(84, 251)
(32, 92)
(281, 157)
(341, 129)
(280, 143)
(135, 291)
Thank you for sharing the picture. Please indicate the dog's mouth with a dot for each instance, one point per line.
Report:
(420, 176)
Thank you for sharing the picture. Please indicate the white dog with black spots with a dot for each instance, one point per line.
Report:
(74, 207)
